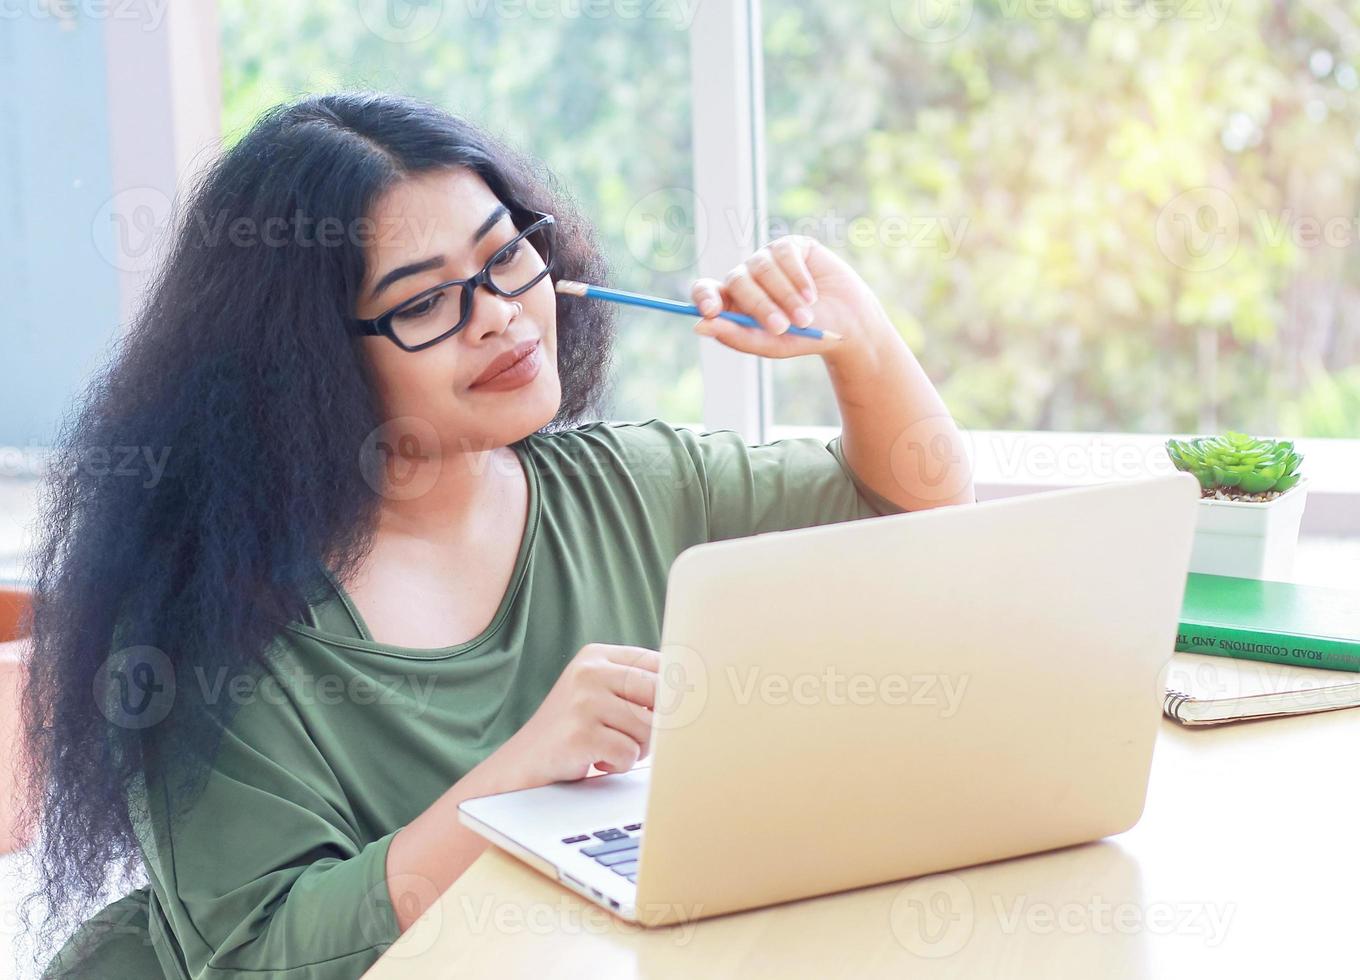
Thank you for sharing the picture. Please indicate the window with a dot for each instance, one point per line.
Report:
(1096, 222)
(1083, 216)
(600, 93)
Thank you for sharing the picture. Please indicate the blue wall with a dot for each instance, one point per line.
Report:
(58, 294)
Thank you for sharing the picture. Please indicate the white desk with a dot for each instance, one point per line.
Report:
(1245, 864)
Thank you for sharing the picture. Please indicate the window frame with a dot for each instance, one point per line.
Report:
(1012, 461)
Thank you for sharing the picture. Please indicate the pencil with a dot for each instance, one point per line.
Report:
(570, 287)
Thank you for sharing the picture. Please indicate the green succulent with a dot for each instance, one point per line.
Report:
(1238, 460)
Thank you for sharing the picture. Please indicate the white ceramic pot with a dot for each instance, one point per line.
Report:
(1249, 539)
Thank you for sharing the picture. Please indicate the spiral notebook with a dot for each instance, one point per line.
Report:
(1211, 690)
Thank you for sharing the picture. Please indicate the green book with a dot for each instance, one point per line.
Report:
(1277, 622)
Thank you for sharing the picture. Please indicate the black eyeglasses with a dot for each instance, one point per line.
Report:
(423, 320)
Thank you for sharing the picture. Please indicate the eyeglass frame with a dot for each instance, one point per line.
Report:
(381, 325)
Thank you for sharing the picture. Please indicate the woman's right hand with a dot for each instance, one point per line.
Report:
(598, 713)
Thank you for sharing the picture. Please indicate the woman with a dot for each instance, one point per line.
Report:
(371, 563)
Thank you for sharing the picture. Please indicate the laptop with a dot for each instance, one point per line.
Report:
(873, 700)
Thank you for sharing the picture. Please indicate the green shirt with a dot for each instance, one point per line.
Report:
(280, 864)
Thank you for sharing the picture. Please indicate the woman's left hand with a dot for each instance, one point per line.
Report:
(794, 280)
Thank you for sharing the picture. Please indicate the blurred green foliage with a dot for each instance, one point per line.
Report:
(1086, 215)
(1158, 202)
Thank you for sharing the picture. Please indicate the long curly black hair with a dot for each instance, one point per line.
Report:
(242, 380)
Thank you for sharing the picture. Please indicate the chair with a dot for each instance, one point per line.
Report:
(14, 609)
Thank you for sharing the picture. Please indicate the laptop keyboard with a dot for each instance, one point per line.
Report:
(616, 849)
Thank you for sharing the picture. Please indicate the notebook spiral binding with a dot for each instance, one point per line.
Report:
(1171, 706)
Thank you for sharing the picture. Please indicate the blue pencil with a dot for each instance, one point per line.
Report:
(572, 288)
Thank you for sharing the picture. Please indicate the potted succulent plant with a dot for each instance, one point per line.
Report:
(1251, 502)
